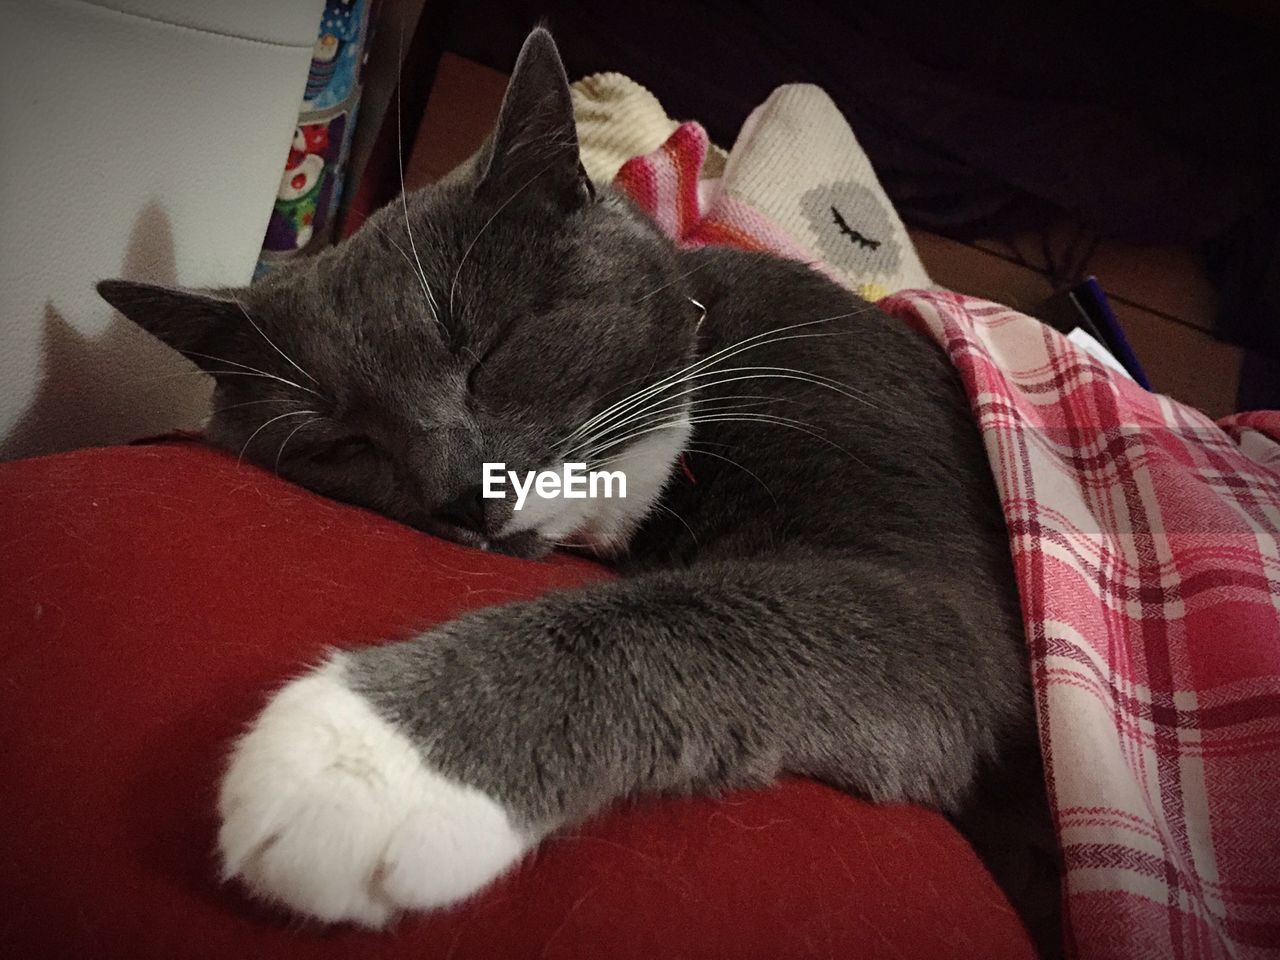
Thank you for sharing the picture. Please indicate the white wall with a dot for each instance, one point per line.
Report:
(145, 139)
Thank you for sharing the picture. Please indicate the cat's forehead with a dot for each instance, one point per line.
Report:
(430, 285)
(444, 240)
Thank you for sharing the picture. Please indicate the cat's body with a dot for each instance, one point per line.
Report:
(894, 459)
(820, 585)
(850, 587)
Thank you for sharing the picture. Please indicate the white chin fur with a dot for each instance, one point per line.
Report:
(605, 525)
(330, 810)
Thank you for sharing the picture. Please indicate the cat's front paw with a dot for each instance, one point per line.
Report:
(330, 810)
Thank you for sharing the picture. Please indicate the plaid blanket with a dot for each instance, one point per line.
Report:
(1146, 540)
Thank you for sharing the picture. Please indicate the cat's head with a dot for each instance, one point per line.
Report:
(489, 318)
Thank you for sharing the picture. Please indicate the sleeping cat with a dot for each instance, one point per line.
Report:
(816, 573)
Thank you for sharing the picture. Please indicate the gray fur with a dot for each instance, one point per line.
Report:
(841, 606)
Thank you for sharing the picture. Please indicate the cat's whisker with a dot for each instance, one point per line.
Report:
(754, 373)
(697, 447)
(472, 245)
(642, 393)
(700, 451)
(719, 356)
(248, 369)
(675, 280)
(671, 405)
(661, 399)
(781, 373)
(271, 342)
(684, 419)
(794, 425)
(803, 427)
(280, 452)
(595, 454)
(263, 376)
(220, 373)
(714, 368)
(249, 403)
(414, 268)
(263, 426)
(806, 376)
(404, 201)
(665, 509)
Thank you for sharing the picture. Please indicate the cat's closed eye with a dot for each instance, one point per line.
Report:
(343, 451)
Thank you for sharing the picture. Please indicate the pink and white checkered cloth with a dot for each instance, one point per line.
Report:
(1146, 540)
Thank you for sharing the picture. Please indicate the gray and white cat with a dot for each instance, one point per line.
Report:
(833, 596)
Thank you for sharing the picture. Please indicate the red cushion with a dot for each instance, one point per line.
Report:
(150, 596)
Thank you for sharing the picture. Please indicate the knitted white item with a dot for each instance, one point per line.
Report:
(797, 161)
(618, 119)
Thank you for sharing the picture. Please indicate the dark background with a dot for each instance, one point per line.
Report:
(1141, 122)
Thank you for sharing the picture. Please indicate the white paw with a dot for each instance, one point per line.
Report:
(330, 810)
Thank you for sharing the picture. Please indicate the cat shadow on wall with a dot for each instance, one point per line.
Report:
(119, 383)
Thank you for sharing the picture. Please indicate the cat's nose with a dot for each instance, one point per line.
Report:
(467, 510)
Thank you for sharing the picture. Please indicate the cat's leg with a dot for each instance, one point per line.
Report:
(410, 775)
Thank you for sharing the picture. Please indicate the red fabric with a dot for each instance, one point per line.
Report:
(151, 596)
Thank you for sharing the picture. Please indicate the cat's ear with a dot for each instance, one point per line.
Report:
(534, 148)
(191, 322)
